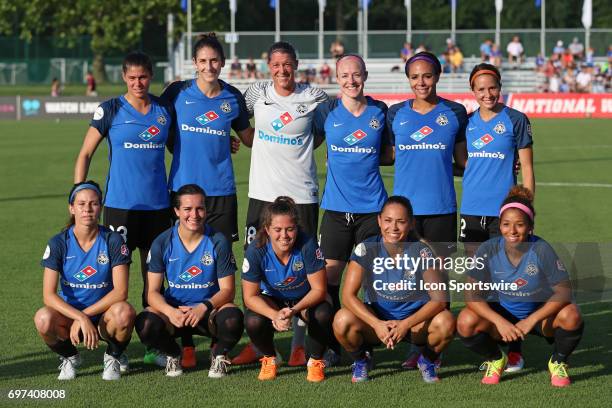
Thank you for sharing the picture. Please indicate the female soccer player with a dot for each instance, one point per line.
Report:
(136, 126)
(398, 304)
(496, 136)
(91, 264)
(357, 144)
(428, 132)
(539, 302)
(199, 266)
(283, 275)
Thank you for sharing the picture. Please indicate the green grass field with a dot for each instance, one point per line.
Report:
(573, 164)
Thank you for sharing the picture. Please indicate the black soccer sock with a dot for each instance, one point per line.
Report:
(565, 343)
(320, 332)
(260, 331)
(115, 348)
(429, 354)
(230, 325)
(64, 348)
(483, 344)
(187, 340)
(153, 333)
(334, 293)
(515, 346)
(358, 354)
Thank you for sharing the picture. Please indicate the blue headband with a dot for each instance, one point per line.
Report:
(84, 186)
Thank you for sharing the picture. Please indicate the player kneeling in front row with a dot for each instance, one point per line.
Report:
(396, 308)
(283, 276)
(199, 267)
(91, 263)
(540, 302)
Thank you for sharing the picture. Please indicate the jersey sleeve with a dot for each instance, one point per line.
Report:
(462, 120)
(480, 272)
(103, 116)
(53, 258)
(385, 139)
(319, 95)
(155, 258)
(241, 121)
(550, 264)
(252, 94)
(251, 265)
(320, 117)
(313, 257)
(522, 129)
(225, 261)
(362, 254)
(171, 92)
(118, 250)
(390, 118)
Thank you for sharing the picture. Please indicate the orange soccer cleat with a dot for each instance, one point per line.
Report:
(316, 370)
(268, 369)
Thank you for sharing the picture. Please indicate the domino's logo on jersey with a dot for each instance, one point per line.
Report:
(355, 137)
(190, 273)
(421, 133)
(85, 273)
(150, 133)
(206, 118)
(288, 281)
(482, 141)
(281, 122)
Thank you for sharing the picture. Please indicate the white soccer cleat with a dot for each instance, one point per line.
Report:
(68, 367)
(173, 366)
(112, 368)
(219, 366)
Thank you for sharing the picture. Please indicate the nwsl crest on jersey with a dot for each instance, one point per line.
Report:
(161, 119)
(298, 266)
(190, 273)
(206, 118)
(360, 250)
(207, 259)
(532, 270)
(225, 107)
(374, 123)
(85, 273)
(355, 137)
(499, 128)
(126, 251)
(421, 133)
(102, 258)
(483, 141)
(319, 254)
(149, 134)
(282, 121)
(442, 120)
(301, 109)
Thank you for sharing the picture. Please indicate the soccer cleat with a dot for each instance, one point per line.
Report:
(124, 363)
(188, 357)
(428, 370)
(411, 362)
(360, 369)
(331, 358)
(268, 368)
(112, 368)
(316, 370)
(154, 357)
(515, 362)
(248, 355)
(558, 374)
(298, 357)
(173, 366)
(68, 367)
(494, 369)
(219, 366)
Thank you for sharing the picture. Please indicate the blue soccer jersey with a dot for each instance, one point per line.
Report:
(85, 276)
(287, 282)
(193, 277)
(404, 297)
(136, 144)
(492, 151)
(354, 183)
(538, 271)
(424, 146)
(201, 153)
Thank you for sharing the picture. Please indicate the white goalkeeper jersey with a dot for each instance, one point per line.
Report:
(282, 159)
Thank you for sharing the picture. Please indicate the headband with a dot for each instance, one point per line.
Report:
(484, 72)
(423, 57)
(84, 186)
(518, 206)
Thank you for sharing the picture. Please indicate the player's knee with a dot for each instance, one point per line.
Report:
(230, 320)
(43, 320)
(254, 323)
(123, 315)
(322, 313)
(466, 323)
(444, 324)
(343, 322)
(148, 326)
(570, 317)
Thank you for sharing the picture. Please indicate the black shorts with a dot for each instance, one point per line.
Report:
(476, 228)
(440, 230)
(280, 304)
(206, 327)
(340, 232)
(308, 213)
(221, 214)
(138, 227)
(506, 314)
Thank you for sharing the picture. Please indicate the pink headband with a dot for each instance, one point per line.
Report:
(519, 206)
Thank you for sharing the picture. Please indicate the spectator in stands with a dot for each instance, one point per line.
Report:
(456, 59)
(554, 83)
(609, 54)
(485, 50)
(515, 52)
(264, 70)
(567, 58)
(450, 44)
(420, 48)
(496, 56)
(540, 63)
(577, 49)
(569, 80)
(336, 49)
(311, 74)
(584, 80)
(325, 73)
(91, 85)
(590, 55)
(559, 49)
(251, 69)
(445, 62)
(406, 52)
(236, 69)
(55, 88)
